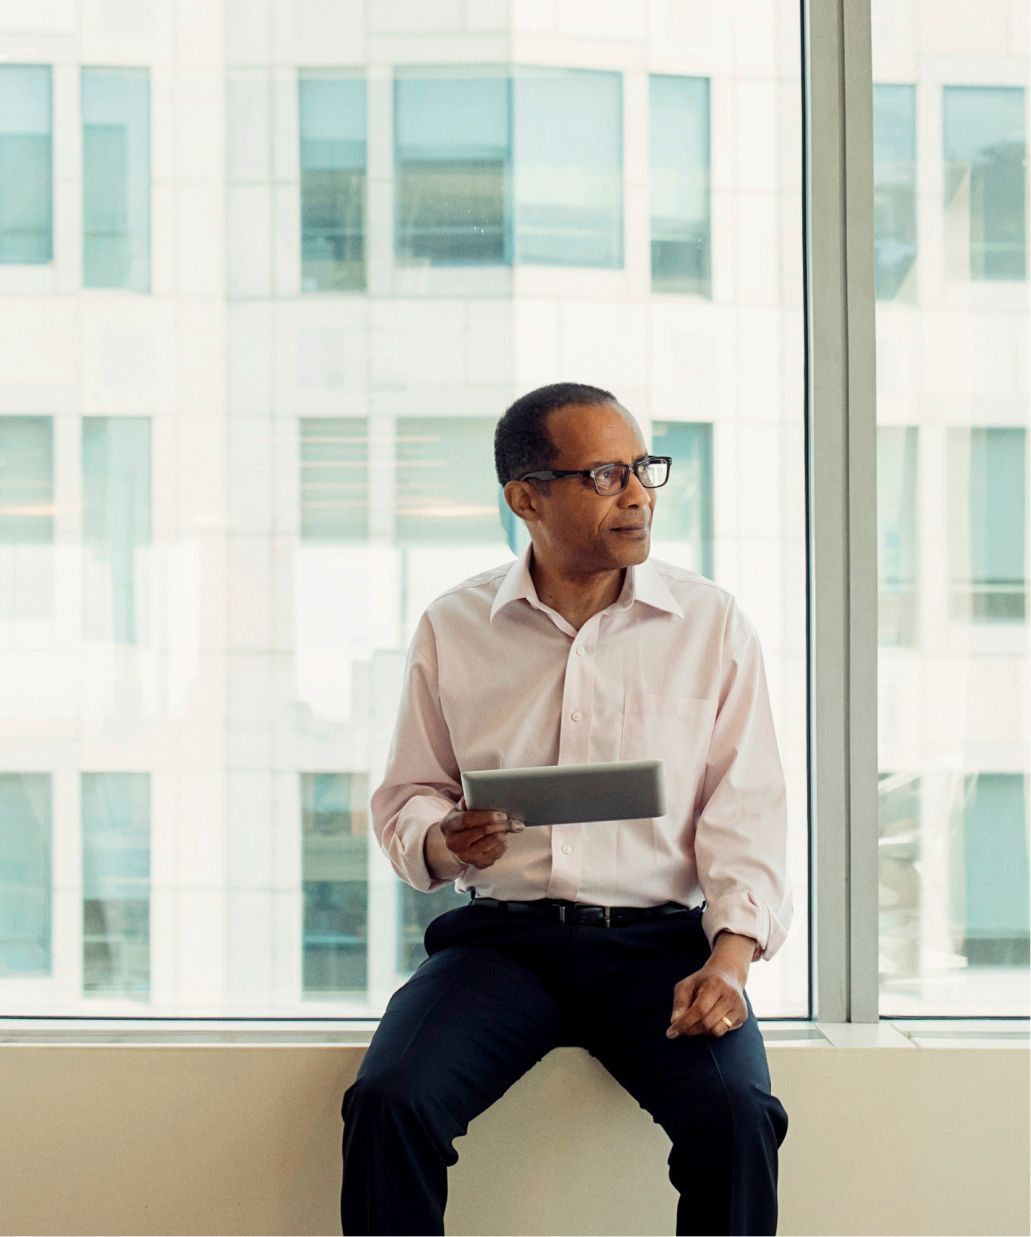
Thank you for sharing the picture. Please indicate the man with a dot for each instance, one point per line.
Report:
(581, 651)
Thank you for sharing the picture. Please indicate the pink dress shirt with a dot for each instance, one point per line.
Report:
(671, 670)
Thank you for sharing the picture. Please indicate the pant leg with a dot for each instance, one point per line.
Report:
(466, 1026)
(711, 1095)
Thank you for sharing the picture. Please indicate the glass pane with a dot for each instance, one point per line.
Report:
(116, 178)
(116, 883)
(569, 167)
(985, 151)
(952, 481)
(679, 153)
(26, 827)
(26, 166)
(683, 510)
(894, 150)
(26, 480)
(115, 524)
(452, 152)
(445, 491)
(332, 140)
(334, 479)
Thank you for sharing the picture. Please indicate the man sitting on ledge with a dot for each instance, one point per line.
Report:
(581, 651)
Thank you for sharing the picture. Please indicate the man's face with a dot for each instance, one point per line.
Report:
(575, 526)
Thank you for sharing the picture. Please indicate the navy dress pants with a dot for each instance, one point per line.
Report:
(497, 992)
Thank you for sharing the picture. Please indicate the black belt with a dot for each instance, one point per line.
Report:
(578, 912)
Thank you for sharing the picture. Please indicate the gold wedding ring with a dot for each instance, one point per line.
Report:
(728, 1022)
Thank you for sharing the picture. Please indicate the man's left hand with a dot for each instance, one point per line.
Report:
(702, 999)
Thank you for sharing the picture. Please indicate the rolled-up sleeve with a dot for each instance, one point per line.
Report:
(421, 783)
(741, 832)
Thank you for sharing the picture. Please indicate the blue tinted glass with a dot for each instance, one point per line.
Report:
(333, 154)
(680, 210)
(998, 510)
(116, 511)
(683, 506)
(985, 148)
(568, 156)
(26, 173)
(116, 178)
(26, 479)
(894, 133)
(25, 873)
(452, 157)
(334, 479)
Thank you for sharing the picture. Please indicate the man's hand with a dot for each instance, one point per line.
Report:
(702, 999)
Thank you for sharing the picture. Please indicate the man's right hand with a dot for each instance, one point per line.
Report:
(477, 837)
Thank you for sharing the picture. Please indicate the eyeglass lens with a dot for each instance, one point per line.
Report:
(613, 479)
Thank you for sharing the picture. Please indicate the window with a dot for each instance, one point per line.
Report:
(452, 152)
(680, 199)
(115, 524)
(896, 534)
(988, 523)
(116, 179)
(898, 866)
(491, 167)
(26, 870)
(894, 152)
(985, 147)
(116, 883)
(446, 485)
(683, 506)
(331, 107)
(334, 479)
(569, 167)
(26, 164)
(334, 875)
(989, 887)
(26, 480)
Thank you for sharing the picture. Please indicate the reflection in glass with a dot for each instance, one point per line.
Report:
(680, 203)
(116, 883)
(894, 151)
(683, 510)
(116, 178)
(26, 171)
(26, 480)
(985, 147)
(26, 844)
(332, 147)
(334, 479)
(446, 485)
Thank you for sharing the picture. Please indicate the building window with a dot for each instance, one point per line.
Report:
(899, 865)
(116, 883)
(446, 488)
(26, 164)
(116, 522)
(683, 506)
(492, 168)
(334, 479)
(896, 534)
(680, 199)
(116, 179)
(333, 168)
(416, 912)
(334, 878)
(26, 832)
(985, 148)
(569, 167)
(894, 153)
(452, 151)
(989, 871)
(26, 480)
(988, 523)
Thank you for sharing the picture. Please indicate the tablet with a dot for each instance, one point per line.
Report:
(565, 794)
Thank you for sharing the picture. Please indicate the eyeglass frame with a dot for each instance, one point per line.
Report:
(589, 472)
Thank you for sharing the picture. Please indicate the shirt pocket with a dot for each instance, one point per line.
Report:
(674, 729)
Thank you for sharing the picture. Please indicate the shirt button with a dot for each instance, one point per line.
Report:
(580, 651)
(576, 715)
(567, 849)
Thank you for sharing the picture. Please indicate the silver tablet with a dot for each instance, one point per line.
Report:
(564, 794)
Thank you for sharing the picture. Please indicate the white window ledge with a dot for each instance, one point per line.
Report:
(888, 1033)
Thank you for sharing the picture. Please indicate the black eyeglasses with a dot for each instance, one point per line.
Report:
(610, 479)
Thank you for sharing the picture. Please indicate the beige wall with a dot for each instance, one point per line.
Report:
(175, 1139)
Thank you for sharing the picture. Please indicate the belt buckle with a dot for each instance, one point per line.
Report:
(608, 916)
(562, 914)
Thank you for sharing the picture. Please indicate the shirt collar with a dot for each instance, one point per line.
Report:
(642, 583)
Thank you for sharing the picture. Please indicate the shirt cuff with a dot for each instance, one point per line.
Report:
(745, 915)
(417, 817)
